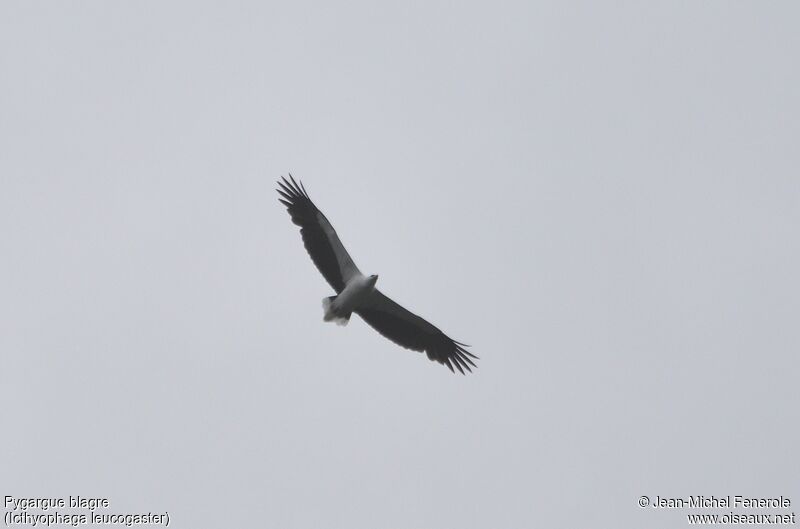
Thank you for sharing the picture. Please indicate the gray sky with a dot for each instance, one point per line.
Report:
(602, 198)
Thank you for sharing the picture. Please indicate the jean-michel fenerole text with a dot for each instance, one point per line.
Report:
(721, 502)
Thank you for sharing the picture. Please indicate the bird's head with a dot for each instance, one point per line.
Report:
(373, 279)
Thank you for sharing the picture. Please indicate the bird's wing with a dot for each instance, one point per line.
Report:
(319, 237)
(412, 332)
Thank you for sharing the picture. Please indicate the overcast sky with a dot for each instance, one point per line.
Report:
(601, 198)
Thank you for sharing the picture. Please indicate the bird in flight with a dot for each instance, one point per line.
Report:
(356, 292)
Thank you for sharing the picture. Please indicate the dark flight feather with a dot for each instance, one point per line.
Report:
(319, 237)
(412, 332)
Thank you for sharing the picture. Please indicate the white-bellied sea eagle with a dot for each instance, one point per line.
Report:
(357, 293)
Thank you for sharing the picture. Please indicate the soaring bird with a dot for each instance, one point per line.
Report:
(356, 292)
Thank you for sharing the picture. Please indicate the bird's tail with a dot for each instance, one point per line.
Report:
(330, 313)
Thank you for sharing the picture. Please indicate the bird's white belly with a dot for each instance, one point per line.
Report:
(353, 294)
